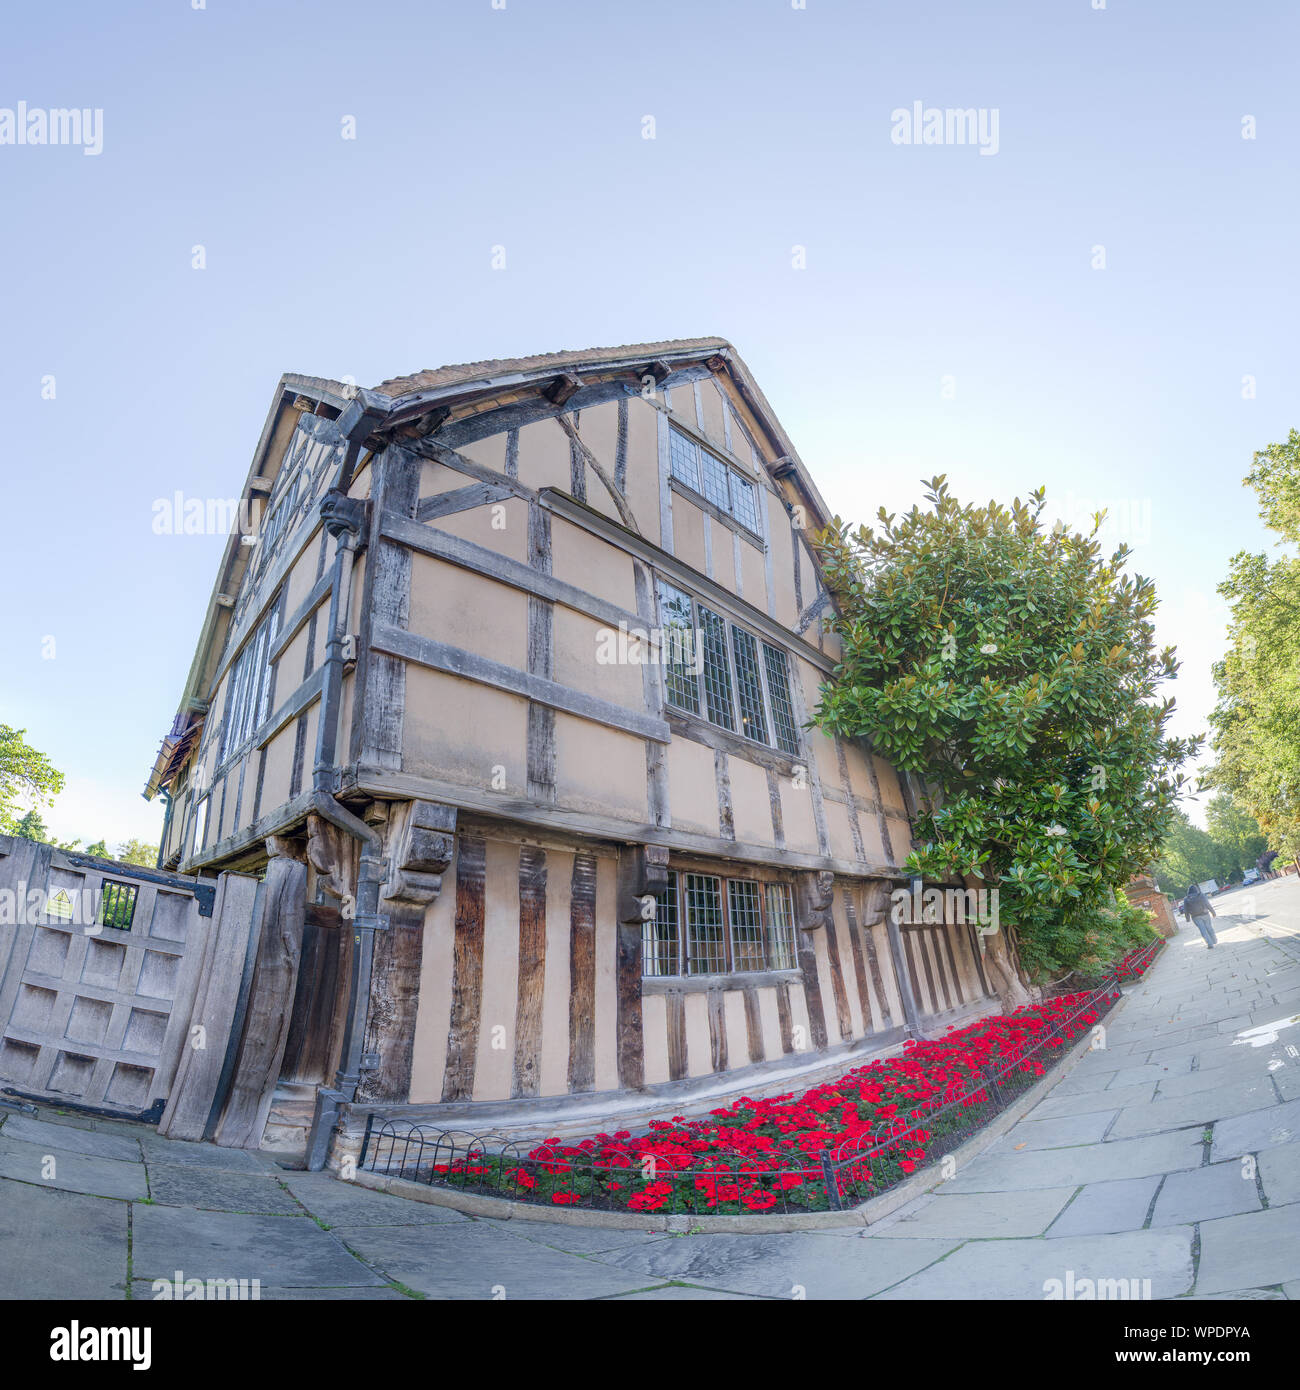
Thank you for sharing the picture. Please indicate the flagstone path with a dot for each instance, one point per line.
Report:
(1171, 1155)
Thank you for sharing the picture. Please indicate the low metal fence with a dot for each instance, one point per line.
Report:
(732, 1179)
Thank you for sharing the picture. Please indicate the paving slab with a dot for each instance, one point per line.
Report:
(1249, 1067)
(185, 1185)
(684, 1293)
(1198, 1107)
(340, 1203)
(291, 1251)
(1236, 1296)
(1149, 1071)
(69, 1138)
(60, 1245)
(1103, 1208)
(1279, 1171)
(1001, 1171)
(1218, 1189)
(1246, 1252)
(1082, 1103)
(73, 1172)
(781, 1266)
(144, 1291)
(1261, 1129)
(1063, 1132)
(980, 1215)
(477, 1260)
(202, 1155)
(578, 1240)
(1023, 1269)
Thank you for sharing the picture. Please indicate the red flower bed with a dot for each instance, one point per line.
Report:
(877, 1122)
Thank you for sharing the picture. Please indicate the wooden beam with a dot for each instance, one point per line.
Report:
(526, 1078)
(428, 540)
(467, 970)
(582, 973)
(456, 661)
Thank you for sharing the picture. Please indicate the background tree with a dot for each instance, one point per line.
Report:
(25, 775)
(1256, 723)
(135, 851)
(1237, 831)
(1014, 668)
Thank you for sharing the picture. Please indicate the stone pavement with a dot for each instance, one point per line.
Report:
(1172, 1155)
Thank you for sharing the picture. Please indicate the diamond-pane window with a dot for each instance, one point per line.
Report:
(717, 671)
(745, 911)
(778, 689)
(743, 506)
(780, 927)
(714, 484)
(683, 454)
(679, 641)
(706, 950)
(660, 934)
(749, 689)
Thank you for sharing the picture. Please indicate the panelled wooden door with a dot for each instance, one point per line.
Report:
(97, 977)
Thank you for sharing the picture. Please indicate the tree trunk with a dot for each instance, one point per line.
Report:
(1012, 987)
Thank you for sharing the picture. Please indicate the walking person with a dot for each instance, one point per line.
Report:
(1196, 907)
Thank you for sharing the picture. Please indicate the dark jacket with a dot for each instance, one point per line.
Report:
(1196, 904)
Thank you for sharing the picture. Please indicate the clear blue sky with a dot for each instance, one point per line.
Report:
(522, 127)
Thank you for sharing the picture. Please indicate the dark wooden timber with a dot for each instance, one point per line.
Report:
(527, 1078)
(467, 970)
(582, 973)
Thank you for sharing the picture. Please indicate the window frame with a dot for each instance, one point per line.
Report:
(251, 693)
(698, 485)
(700, 682)
(656, 948)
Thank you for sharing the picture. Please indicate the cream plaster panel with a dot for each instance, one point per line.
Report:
(692, 787)
(699, 1048)
(459, 731)
(499, 526)
(494, 1064)
(467, 610)
(433, 1018)
(599, 769)
(654, 1037)
(751, 806)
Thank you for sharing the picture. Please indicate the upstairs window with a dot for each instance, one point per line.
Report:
(706, 925)
(248, 705)
(718, 482)
(724, 673)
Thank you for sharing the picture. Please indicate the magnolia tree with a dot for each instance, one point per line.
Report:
(1014, 669)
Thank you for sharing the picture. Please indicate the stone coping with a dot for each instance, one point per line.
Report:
(865, 1214)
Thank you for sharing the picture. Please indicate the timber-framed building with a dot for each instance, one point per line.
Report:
(506, 694)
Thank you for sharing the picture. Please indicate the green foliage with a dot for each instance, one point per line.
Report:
(135, 851)
(25, 774)
(1014, 668)
(1256, 723)
(1091, 939)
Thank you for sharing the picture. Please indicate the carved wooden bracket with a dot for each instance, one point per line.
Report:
(341, 513)
(645, 874)
(420, 853)
(816, 894)
(323, 855)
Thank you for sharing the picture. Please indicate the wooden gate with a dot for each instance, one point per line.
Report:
(99, 964)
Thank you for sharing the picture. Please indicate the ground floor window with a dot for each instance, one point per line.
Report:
(707, 925)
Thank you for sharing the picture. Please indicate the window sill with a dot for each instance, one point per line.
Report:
(701, 730)
(704, 984)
